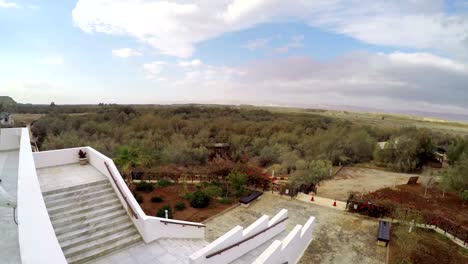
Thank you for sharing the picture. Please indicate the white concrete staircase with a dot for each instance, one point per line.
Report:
(89, 221)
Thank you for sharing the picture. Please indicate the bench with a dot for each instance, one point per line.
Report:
(245, 201)
(383, 234)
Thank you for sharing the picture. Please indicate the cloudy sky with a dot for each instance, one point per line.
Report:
(393, 55)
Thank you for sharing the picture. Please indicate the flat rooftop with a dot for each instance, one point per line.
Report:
(9, 246)
(63, 176)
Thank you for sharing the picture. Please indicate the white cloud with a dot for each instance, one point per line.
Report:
(153, 68)
(8, 4)
(381, 81)
(125, 53)
(190, 63)
(52, 60)
(174, 28)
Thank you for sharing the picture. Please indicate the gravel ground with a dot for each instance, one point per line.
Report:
(339, 237)
(354, 179)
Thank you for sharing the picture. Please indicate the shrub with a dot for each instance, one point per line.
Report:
(162, 212)
(145, 187)
(156, 199)
(187, 196)
(213, 191)
(179, 206)
(164, 183)
(225, 200)
(199, 199)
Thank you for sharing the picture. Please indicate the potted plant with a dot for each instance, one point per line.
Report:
(82, 157)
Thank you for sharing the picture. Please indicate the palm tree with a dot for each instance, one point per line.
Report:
(128, 158)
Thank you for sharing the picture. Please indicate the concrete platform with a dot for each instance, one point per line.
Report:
(58, 177)
(9, 247)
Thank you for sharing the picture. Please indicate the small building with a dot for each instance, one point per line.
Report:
(383, 234)
(5, 118)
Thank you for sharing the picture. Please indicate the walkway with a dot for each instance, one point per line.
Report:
(9, 247)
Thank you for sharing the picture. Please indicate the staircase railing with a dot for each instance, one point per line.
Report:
(245, 240)
(182, 224)
(129, 206)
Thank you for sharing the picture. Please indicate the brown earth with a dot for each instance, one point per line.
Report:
(450, 206)
(428, 247)
(171, 195)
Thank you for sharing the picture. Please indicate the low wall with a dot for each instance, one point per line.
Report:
(52, 158)
(150, 228)
(291, 249)
(244, 240)
(37, 240)
(10, 138)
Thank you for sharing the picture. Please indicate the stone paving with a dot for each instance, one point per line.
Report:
(339, 237)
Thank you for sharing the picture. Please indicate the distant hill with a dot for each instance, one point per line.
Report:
(7, 103)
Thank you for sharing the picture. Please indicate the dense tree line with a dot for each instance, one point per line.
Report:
(289, 143)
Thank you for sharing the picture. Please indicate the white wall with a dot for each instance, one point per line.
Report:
(238, 234)
(292, 247)
(10, 138)
(149, 227)
(56, 157)
(37, 240)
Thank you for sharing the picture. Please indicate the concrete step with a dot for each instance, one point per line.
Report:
(76, 187)
(88, 189)
(65, 212)
(89, 223)
(58, 208)
(80, 239)
(104, 249)
(80, 218)
(80, 198)
(89, 230)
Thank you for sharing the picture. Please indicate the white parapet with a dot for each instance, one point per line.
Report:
(291, 249)
(239, 241)
(37, 240)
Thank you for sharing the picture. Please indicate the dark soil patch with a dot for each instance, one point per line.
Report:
(412, 196)
(430, 248)
(171, 195)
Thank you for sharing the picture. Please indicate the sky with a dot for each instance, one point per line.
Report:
(391, 55)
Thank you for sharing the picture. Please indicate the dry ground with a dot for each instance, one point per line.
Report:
(339, 237)
(356, 179)
(171, 195)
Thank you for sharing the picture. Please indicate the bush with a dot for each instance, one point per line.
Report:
(138, 197)
(164, 183)
(179, 206)
(213, 191)
(187, 196)
(156, 199)
(162, 212)
(199, 199)
(225, 200)
(144, 187)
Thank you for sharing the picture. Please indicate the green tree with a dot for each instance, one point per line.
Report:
(129, 157)
(455, 179)
(237, 181)
(316, 171)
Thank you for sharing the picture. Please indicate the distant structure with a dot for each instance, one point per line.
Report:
(5, 118)
(219, 150)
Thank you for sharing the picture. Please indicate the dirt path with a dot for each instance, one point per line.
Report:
(355, 179)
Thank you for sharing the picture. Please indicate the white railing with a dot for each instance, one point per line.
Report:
(150, 228)
(291, 249)
(240, 241)
(36, 236)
